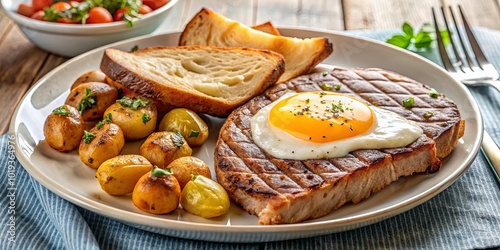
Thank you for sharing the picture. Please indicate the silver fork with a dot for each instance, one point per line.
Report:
(471, 70)
(475, 70)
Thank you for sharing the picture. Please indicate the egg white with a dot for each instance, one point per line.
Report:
(389, 130)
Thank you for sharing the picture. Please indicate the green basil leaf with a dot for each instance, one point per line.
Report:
(400, 41)
(423, 40)
(408, 30)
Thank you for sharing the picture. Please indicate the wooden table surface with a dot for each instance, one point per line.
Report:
(22, 64)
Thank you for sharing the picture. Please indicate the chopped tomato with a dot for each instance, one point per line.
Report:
(40, 4)
(144, 9)
(38, 15)
(25, 9)
(61, 6)
(99, 15)
(154, 4)
(118, 16)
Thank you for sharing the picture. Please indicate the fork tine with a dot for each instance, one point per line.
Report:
(445, 59)
(472, 39)
(472, 65)
(459, 63)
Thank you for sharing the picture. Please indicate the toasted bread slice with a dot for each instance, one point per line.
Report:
(267, 27)
(212, 29)
(211, 80)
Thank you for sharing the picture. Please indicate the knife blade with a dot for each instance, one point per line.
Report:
(492, 153)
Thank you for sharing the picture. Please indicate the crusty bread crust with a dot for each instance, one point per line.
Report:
(267, 27)
(289, 191)
(185, 76)
(212, 29)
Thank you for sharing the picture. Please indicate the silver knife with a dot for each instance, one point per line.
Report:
(492, 153)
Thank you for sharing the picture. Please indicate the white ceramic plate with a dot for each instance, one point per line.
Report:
(65, 175)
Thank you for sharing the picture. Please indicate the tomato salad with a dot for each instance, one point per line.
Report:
(88, 11)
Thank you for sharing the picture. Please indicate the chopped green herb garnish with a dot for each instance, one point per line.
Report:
(178, 139)
(194, 133)
(145, 118)
(428, 114)
(133, 103)
(87, 101)
(409, 102)
(87, 137)
(63, 110)
(158, 172)
(135, 48)
(107, 119)
(433, 93)
(326, 86)
(338, 86)
(325, 73)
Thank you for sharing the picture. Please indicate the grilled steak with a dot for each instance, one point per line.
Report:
(289, 191)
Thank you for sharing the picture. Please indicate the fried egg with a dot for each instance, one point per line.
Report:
(315, 125)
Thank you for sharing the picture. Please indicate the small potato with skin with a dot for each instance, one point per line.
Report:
(185, 167)
(91, 76)
(64, 128)
(136, 120)
(101, 144)
(161, 148)
(186, 122)
(118, 175)
(91, 99)
(204, 197)
(157, 192)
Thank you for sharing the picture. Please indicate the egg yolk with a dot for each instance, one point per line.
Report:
(321, 116)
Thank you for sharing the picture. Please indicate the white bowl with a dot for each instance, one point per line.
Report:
(73, 39)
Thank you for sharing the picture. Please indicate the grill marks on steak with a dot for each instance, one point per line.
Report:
(288, 191)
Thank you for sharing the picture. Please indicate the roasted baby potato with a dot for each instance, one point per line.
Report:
(157, 192)
(204, 197)
(91, 99)
(186, 122)
(64, 128)
(185, 167)
(161, 148)
(101, 143)
(91, 76)
(135, 116)
(118, 175)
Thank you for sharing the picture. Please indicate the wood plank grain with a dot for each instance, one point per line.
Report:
(387, 14)
(324, 14)
(20, 61)
(51, 62)
(238, 10)
(391, 14)
(485, 13)
(5, 25)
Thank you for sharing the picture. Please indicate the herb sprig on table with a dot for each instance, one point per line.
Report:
(422, 39)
